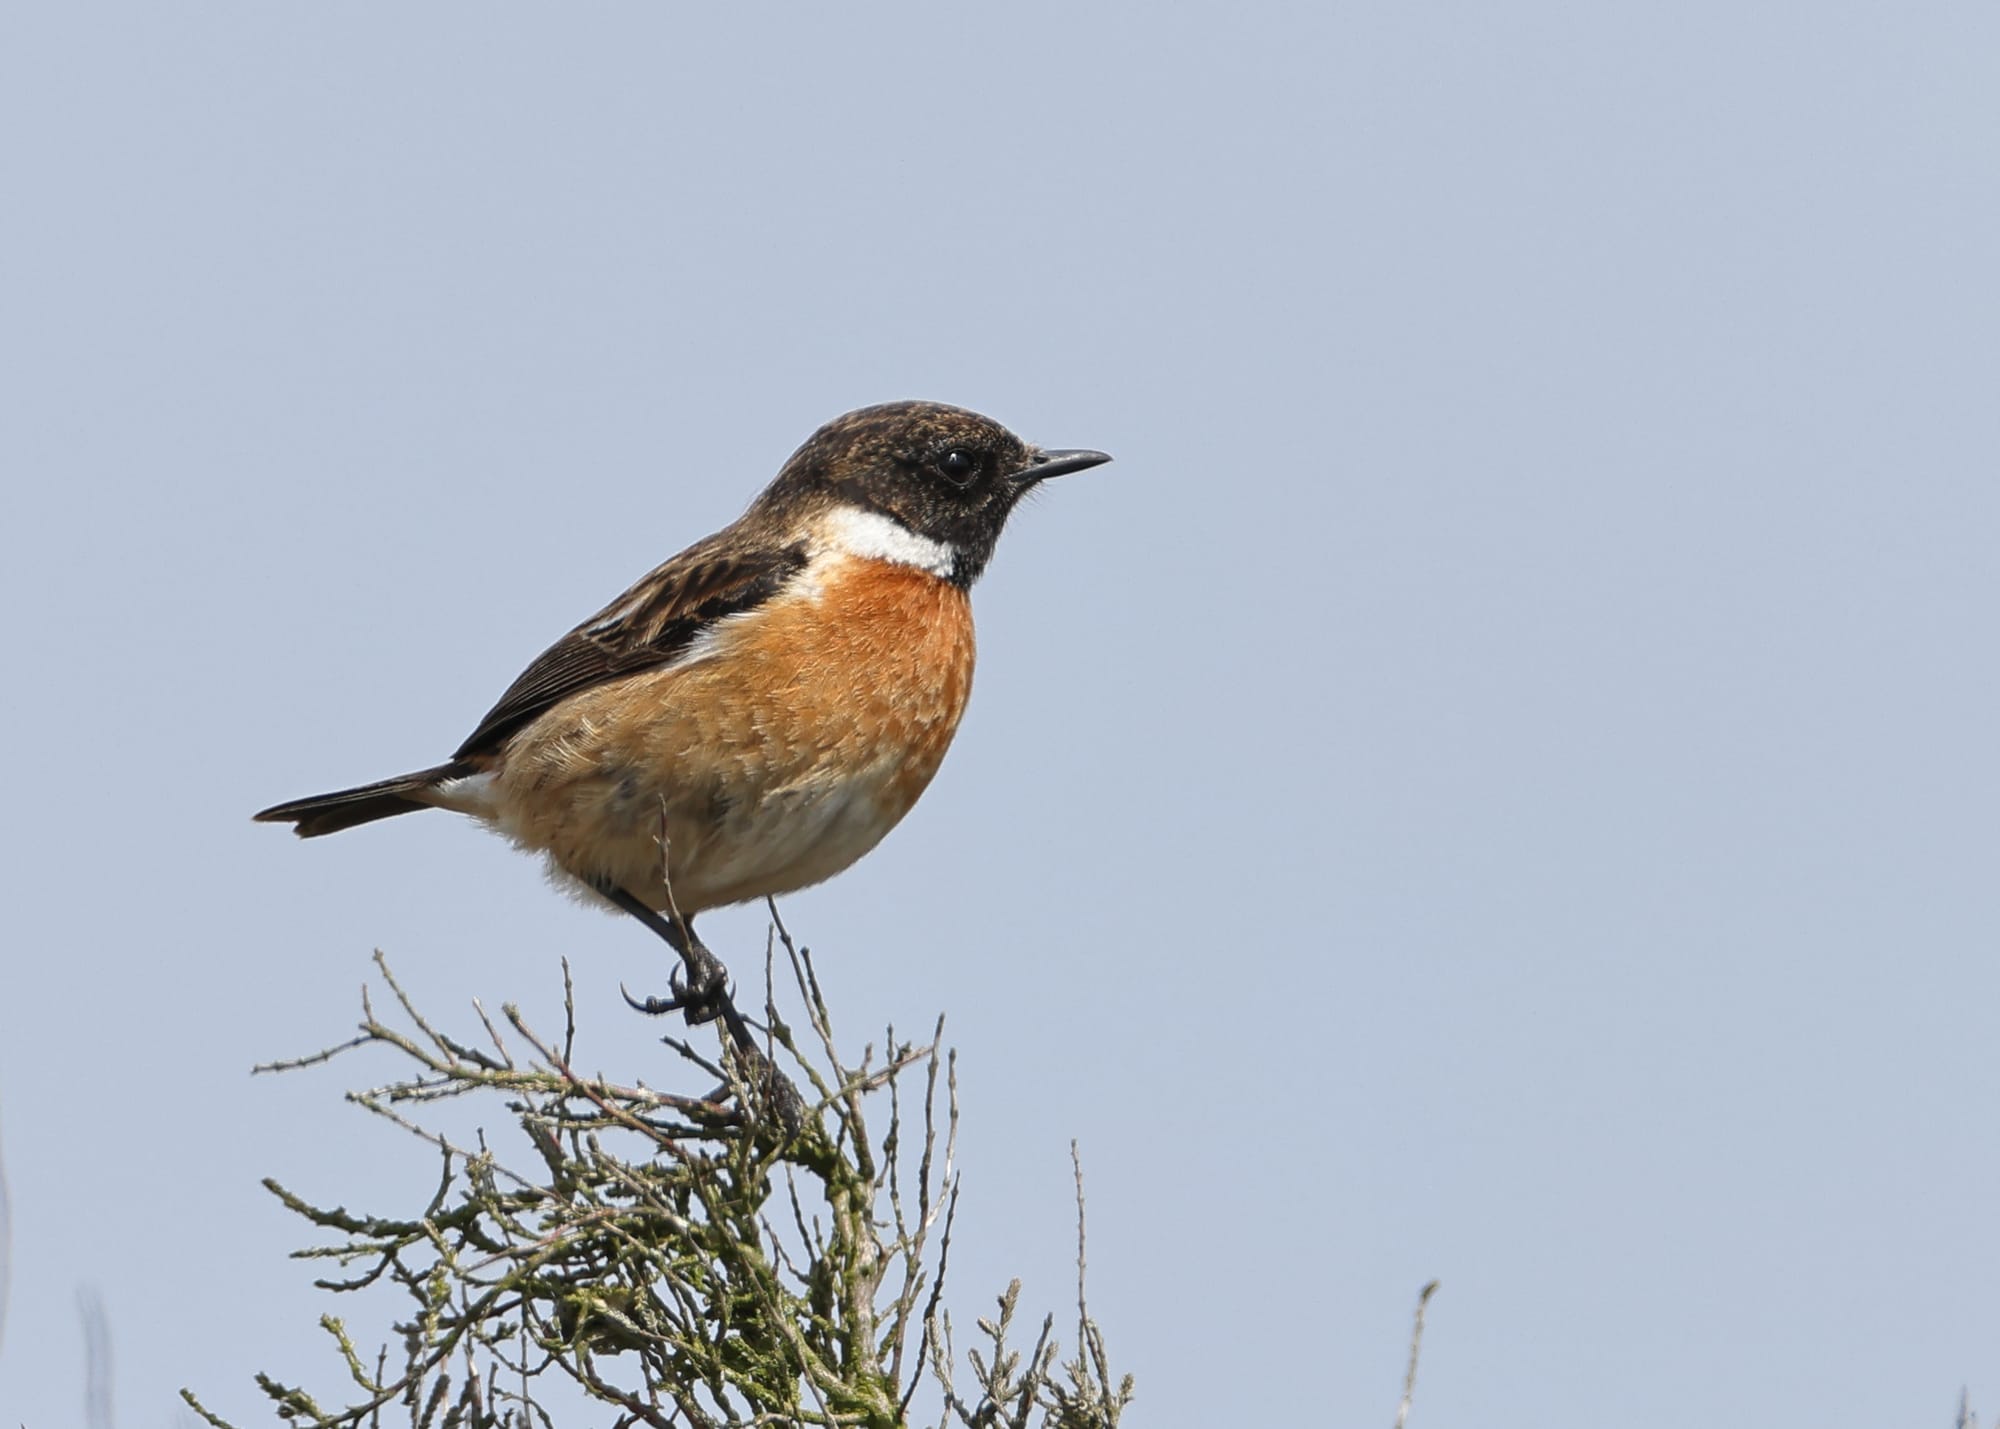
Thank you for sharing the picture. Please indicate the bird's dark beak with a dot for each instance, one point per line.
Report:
(1061, 463)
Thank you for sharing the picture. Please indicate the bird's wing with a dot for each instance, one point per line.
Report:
(650, 625)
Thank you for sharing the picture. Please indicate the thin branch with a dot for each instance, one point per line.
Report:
(1416, 1344)
(634, 1251)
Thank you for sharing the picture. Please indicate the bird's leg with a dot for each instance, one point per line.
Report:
(705, 997)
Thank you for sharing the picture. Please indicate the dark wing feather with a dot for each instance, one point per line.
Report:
(648, 626)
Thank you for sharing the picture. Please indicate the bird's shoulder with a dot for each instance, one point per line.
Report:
(652, 623)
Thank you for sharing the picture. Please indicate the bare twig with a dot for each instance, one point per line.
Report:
(1416, 1344)
(6, 1249)
(634, 1253)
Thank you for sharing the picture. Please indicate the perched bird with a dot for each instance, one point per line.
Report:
(755, 714)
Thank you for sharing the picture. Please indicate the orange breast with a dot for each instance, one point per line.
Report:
(877, 668)
(784, 750)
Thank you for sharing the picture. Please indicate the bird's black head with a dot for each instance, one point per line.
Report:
(942, 473)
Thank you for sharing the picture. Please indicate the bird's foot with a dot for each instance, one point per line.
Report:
(702, 995)
(700, 991)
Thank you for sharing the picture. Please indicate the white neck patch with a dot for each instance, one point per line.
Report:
(871, 535)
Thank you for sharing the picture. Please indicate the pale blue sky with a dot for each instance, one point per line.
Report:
(1497, 782)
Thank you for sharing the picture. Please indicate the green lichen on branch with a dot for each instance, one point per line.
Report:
(682, 1260)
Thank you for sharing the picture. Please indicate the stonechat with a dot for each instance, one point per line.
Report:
(755, 714)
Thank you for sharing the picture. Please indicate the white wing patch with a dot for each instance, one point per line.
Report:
(474, 794)
(870, 535)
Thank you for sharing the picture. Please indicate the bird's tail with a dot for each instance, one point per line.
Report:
(343, 809)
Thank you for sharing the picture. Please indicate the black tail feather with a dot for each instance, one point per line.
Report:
(343, 809)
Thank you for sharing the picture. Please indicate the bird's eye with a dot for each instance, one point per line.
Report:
(958, 465)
